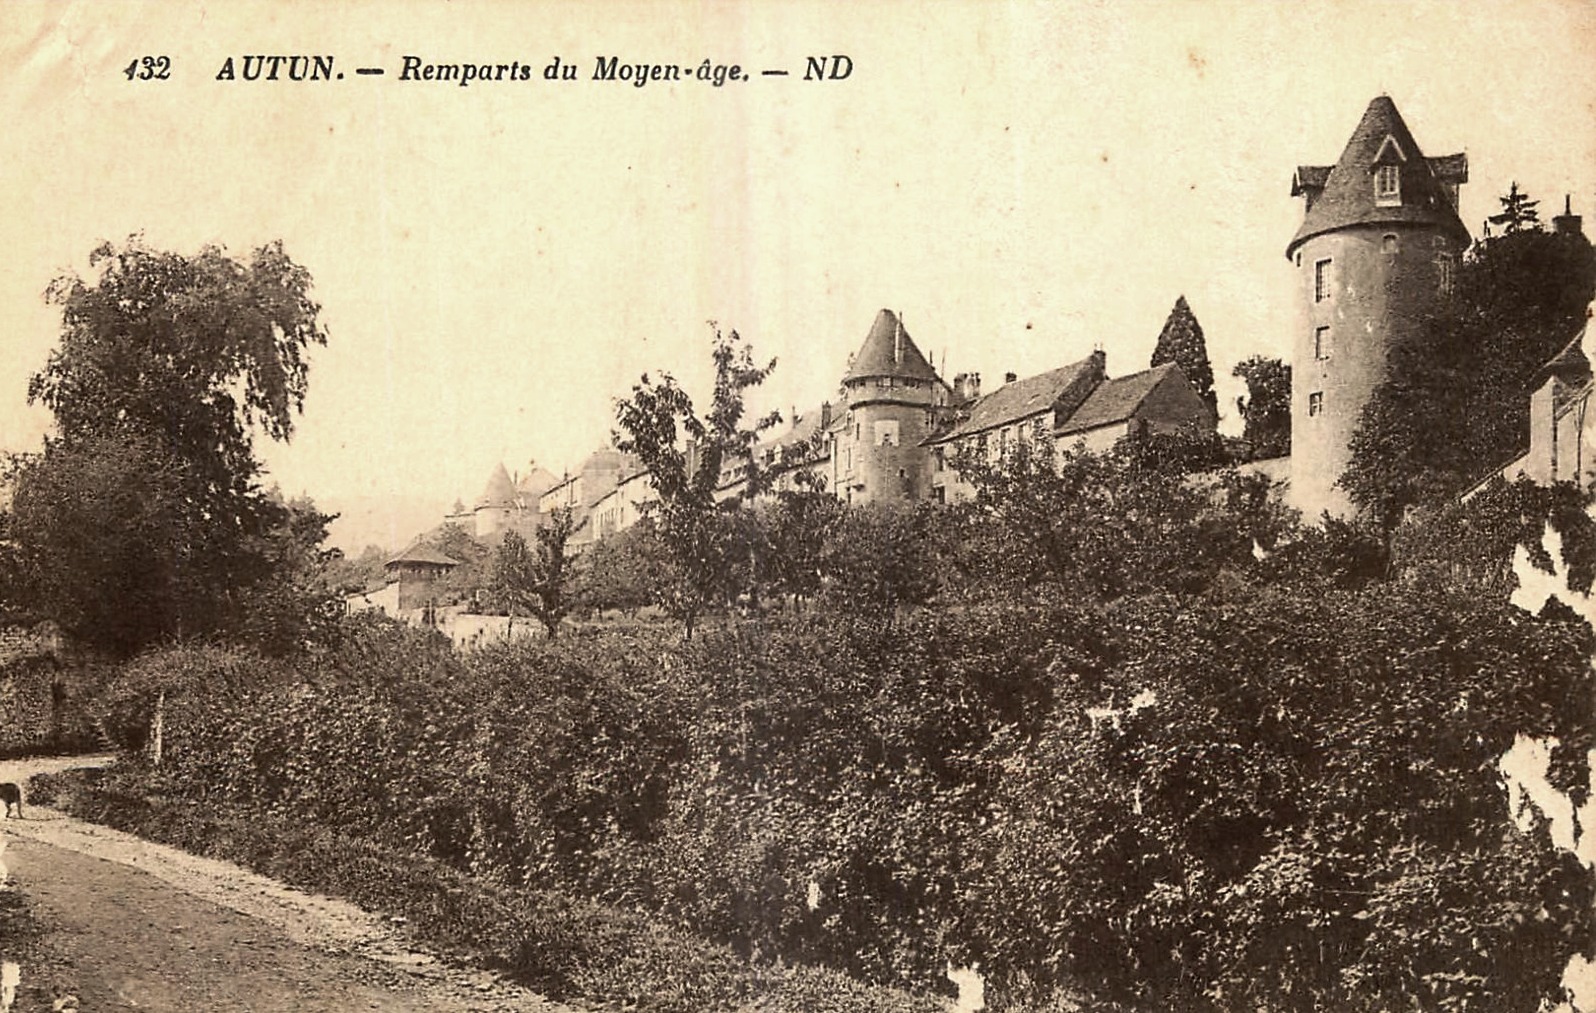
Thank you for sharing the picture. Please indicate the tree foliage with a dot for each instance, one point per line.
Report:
(799, 525)
(1266, 408)
(1455, 401)
(1518, 211)
(684, 455)
(1181, 342)
(536, 579)
(1108, 524)
(144, 519)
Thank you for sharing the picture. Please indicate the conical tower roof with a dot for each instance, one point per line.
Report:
(1343, 195)
(500, 490)
(889, 351)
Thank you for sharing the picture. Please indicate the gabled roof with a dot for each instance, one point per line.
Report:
(889, 351)
(537, 482)
(1022, 399)
(1117, 400)
(803, 429)
(1344, 195)
(1572, 363)
(421, 554)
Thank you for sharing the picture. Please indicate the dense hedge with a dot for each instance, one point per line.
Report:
(1190, 801)
(44, 707)
(566, 948)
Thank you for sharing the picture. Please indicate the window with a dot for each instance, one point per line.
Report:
(1387, 186)
(941, 459)
(1321, 280)
(886, 434)
(1321, 342)
(1388, 243)
(1316, 403)
(1446, 267)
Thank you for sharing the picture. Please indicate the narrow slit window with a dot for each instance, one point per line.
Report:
(1316, 403)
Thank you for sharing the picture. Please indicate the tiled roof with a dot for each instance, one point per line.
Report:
(1344, 195)
(1116, 400)
(889, 351)
(1019, 400)
(422, 554)
(1570, 364)
(537, 482)
(500, 491)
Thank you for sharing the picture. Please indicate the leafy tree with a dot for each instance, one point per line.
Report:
(684, 455)
(879, 557)
(1473, 543)
(476, 562)
(1455, 401)
(167, 366)
(103, 542)
(1266, 408)
(294, 606)
(536, 579)
(351, 576)
(619, 571)
(1181, 342)
(1518, 212)
(1103, 525)
(798, 525)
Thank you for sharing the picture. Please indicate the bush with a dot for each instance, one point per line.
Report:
(568, 948)
(1163, 799)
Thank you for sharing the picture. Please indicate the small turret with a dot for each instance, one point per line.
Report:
(891, 393)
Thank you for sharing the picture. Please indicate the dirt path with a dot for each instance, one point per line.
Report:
(140, 926)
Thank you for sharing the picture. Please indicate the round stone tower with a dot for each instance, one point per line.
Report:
(891, 391)
(1375, 256)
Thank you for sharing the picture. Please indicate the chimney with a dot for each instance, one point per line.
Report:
(897, 339)
(1568, 223)
(967, 386)
(825, 415)
(1010, 377)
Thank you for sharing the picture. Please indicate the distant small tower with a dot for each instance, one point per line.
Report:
(496, 508)
(1375, 257)
(891, 391)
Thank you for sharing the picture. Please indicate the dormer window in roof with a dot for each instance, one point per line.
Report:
(1388, 186)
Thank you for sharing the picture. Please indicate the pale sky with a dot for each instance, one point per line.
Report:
(496, 263)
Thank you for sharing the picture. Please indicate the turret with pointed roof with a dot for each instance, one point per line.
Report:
(500, 491)
(1375, 255)
(888, 351)
(892, 393)
(1381, 178)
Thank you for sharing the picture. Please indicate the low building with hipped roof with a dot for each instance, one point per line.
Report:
(409, 592)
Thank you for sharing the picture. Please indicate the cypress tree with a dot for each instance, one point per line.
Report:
(1181, 342)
